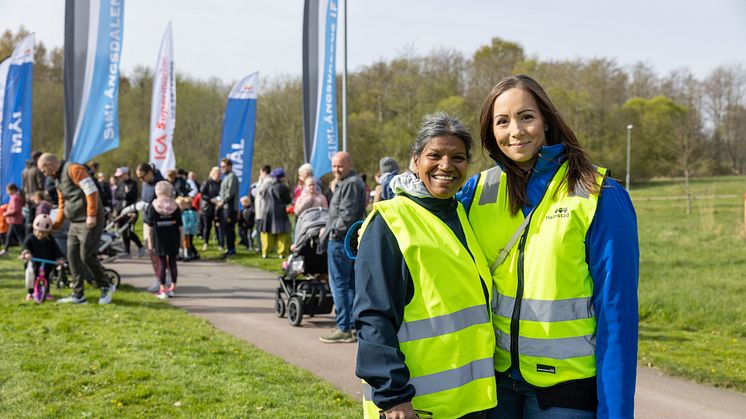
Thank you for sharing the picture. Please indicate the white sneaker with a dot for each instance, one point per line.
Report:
(162, 295)
(72, 300)
(155, 287)
(106, 295)
(204, 247)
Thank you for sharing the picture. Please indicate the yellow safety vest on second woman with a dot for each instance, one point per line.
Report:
(446, 335)
(542, 309)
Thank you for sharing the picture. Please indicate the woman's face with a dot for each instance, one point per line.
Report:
(442, 166)
(518, 126)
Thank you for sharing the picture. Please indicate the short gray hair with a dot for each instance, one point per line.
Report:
(441, 124)
(306, 168)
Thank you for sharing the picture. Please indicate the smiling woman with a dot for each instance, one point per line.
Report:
(425, 342)
(565, 302)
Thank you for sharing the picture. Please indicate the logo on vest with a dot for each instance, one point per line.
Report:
(545, 368)
(561, 212)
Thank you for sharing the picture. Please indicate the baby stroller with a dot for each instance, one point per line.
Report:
(111, 245)
(301, 289)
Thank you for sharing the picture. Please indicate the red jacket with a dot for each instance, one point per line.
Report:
(14, 212)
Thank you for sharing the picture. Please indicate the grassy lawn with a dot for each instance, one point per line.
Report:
(141, 358)
(692, 281)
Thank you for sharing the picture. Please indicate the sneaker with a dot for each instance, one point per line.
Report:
(106, 294)
(155, 287)
(171, 290)
(3, 252)
(73, 300)
(220, 248)
(338, 336)
(204, 247)
(162, 295)
(29, 297)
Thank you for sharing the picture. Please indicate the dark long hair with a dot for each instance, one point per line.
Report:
(581, 173)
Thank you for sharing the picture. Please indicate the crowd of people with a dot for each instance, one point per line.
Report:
(511, 294)
(81, 200)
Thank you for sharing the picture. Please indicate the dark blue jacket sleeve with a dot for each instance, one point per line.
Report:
(383, 287)
(614, 259)
(466, 194)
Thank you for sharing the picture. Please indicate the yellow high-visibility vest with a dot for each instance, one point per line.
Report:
(446, 335)
(542, 310)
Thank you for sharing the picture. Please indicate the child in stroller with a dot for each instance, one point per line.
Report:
(303, 288)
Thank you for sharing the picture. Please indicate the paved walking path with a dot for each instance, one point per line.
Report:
(240, 301)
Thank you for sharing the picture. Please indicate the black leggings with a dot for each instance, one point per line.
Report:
(207, 221)
(130, 235)
(167, 262)
(16, 230)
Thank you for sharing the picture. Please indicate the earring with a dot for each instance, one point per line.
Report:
(546, 128)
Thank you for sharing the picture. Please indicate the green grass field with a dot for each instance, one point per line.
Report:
(141, 358)
(693, 281)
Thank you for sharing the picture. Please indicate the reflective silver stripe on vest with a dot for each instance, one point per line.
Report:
(545, 310)
(560, 348)
(367, 392)
(491, 186)
(441, 325)
(450, 379)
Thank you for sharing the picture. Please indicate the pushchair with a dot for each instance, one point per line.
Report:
(111, 244)
(303, 289)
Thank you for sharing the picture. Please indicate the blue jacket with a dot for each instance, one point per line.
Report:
(613, 256)
(190, 221)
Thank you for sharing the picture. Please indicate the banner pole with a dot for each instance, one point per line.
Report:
(344, 85)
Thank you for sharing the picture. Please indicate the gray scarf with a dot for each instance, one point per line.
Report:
(409, 184)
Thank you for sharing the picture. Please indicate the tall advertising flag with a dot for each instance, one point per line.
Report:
(163, 107)
(93, 47)
(320, 83)
(16, 74)
(239, 125)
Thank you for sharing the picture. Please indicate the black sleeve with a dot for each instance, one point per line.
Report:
(285, 195)
(383, 286)
(27, 243)
(131, 194)
(147, 217)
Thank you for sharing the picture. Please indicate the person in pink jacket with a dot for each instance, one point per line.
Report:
(14, 217)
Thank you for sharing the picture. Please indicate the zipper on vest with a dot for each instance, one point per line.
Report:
(516, 317)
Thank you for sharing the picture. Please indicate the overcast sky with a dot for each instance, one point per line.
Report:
(229, 39)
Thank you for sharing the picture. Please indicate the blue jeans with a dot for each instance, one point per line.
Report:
(517, 400)
(342, 283)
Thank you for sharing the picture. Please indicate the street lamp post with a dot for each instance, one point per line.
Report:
(629, 144)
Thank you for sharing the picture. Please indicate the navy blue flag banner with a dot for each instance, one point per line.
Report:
(239, 124)
(163, 107)
(16, 74)
(93, 46)
(320, 83)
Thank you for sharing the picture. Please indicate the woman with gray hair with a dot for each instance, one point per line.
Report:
(425, 341)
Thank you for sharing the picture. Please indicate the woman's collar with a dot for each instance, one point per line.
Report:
(550, 157)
